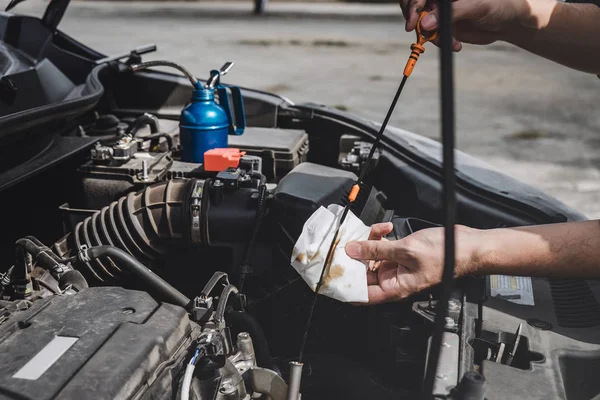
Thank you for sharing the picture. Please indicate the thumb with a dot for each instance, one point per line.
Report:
(372, 250)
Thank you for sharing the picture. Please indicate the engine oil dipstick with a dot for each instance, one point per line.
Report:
(417, 49)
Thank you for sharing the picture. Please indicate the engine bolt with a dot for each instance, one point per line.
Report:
(144, 170)
(449, 323)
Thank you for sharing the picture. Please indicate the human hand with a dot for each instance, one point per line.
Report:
(400, 268)
(476, 21)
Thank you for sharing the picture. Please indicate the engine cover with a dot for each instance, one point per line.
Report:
(102, 343)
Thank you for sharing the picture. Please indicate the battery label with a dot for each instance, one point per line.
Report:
(516, 289)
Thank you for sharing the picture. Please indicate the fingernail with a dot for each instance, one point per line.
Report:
(429, 21)
(353, 250)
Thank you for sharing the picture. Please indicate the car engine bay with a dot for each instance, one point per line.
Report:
(127, 272)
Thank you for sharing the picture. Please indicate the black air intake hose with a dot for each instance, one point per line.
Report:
(142, 224)
(146, 224)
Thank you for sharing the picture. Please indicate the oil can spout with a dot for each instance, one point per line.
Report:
(215, 75)
(138, 67)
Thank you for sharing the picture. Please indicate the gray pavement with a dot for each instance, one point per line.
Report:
(527, 117)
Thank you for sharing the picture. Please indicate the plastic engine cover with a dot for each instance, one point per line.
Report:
(102, 343)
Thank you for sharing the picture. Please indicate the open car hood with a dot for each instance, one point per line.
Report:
(49, 79)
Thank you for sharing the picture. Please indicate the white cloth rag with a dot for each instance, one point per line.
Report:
(345, 279)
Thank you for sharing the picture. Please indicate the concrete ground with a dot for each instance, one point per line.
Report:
(528, 117)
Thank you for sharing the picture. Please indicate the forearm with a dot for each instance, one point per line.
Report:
(565, 33)
(567, 250)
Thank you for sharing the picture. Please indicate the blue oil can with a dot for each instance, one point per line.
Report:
(205, 124)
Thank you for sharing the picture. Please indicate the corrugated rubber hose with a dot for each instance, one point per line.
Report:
(141, 224)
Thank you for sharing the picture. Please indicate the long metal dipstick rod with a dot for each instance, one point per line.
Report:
(341, 220)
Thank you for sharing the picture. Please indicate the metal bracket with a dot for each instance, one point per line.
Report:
(267, 382)
(446, 376)
(195, 212)
(427, 310)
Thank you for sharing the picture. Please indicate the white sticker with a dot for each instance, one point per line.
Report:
(45, 358)
(516, 289)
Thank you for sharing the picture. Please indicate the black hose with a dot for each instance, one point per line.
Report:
(42, 254)
(241, 321)
(145, 119)
(43, 247)
(449, 192)
(260, 213)
(155, 136)
(74, 279)
(212, 282)
(159, 285)
(58, 267)
(21, 278)
(223, 300)
(262, 179)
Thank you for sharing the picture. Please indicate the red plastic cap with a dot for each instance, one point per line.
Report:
(217, 160)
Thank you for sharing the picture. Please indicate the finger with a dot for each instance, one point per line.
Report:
(456, 45)
(372, 250)
(378, 231)
(376, 294)
(403, 6)
(411, 13)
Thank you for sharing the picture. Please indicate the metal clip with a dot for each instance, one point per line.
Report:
(195, 212)
(83, 254)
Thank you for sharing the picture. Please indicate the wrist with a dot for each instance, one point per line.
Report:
(483, 252)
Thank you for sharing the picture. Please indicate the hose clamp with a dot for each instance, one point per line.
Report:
(195, 212)
(83, 254)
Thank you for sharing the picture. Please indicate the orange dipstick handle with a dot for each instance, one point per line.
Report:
(353, 193)
(417, 48)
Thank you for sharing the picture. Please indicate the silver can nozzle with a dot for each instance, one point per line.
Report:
(212, 80)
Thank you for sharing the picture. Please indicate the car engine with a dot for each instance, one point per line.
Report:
(128, 271)
(165, 262)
